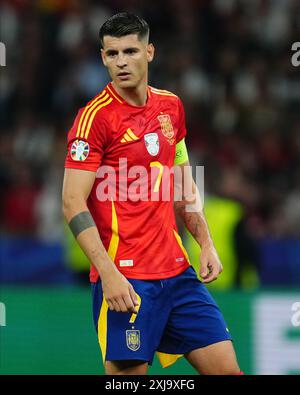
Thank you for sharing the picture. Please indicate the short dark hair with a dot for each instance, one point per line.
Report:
(122, 24)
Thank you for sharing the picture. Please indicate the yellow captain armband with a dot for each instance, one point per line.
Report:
(181, 154)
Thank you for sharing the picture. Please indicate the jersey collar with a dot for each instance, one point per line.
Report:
(120, 99)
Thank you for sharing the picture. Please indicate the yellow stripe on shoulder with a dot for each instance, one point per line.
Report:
(162, 92)
(112, 93)
(90, 111)
(85, 111)
(94, 113)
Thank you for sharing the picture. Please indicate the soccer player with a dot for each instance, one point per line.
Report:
(146, 295)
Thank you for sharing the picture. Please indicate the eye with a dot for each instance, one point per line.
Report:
(131, 51)
(111, 54)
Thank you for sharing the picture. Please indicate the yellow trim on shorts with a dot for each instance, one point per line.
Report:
(133, 316)
(112, 252)
(102, 328)
(167, 360)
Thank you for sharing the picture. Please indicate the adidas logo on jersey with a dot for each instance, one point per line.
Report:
(129, 136)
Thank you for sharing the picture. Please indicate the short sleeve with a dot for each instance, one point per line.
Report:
(181, 133)
(86, 145)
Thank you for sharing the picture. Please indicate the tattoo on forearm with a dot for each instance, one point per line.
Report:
(81, 222)
(194, 221)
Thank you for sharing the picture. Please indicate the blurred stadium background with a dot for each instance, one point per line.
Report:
(230, 62)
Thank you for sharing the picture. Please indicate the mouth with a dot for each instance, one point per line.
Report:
(123, 75)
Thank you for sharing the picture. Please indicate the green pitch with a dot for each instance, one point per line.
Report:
(50, 331)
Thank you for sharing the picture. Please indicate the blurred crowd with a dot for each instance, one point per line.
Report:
(229, 61)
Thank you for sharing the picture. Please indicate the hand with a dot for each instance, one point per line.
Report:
(118, 292)
(211, 265)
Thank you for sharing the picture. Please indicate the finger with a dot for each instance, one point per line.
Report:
(212, 276)
(204, 269)
(110, 305)
(205, 276)
(122, 305)
(129, 304)
(133, 296)
(116, 305)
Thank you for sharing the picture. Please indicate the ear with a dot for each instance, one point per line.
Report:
(150, 52)
(103, 57)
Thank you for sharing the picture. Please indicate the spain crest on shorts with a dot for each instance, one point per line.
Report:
(152, 143)
(166, 126)
(133, 339)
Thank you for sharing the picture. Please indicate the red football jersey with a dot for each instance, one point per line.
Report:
(132, 148)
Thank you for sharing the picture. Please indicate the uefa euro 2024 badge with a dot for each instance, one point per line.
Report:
(80, 150)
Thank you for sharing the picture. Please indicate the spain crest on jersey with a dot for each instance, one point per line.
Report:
(152, 143)
(166, 125)
(133, 339)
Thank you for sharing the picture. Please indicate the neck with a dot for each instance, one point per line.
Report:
(135, 96)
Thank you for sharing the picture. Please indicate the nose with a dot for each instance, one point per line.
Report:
(121, 61)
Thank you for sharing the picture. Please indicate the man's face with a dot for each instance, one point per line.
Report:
(127, 59)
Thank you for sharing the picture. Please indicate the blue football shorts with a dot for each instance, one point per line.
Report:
(176, 315)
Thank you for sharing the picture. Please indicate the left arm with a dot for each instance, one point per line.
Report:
(195, 221)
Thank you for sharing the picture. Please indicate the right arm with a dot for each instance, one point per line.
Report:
(117, 290)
